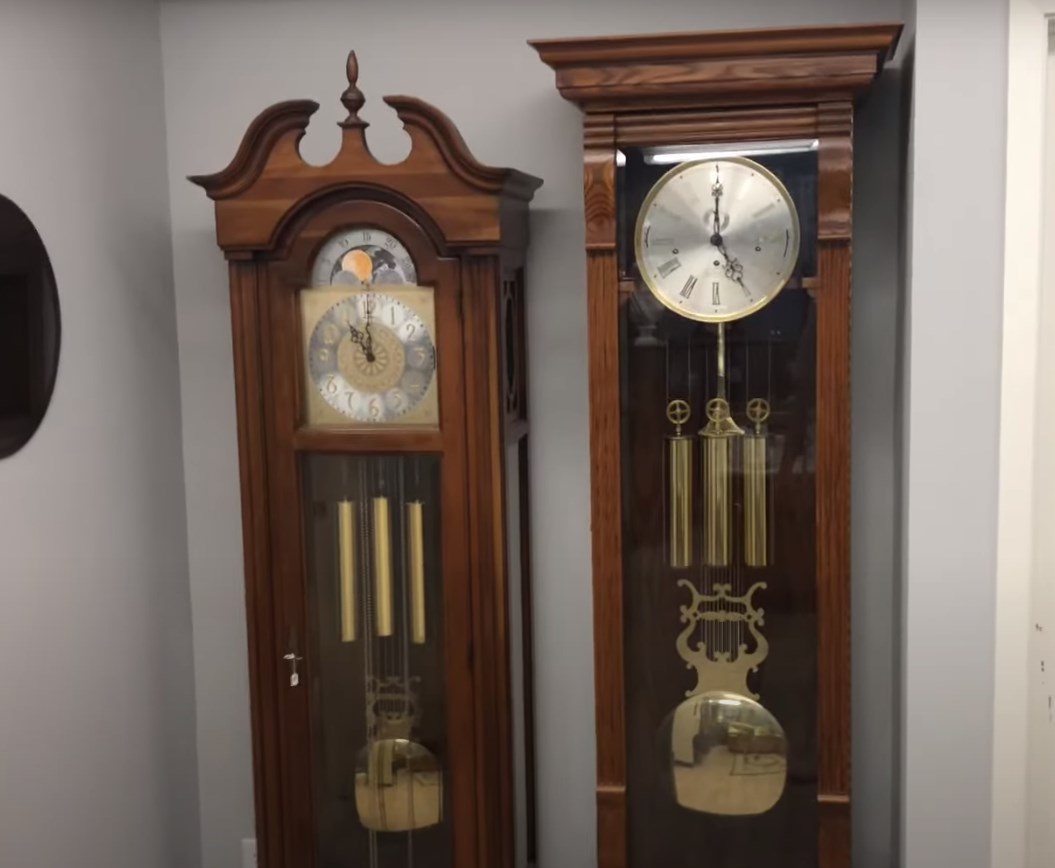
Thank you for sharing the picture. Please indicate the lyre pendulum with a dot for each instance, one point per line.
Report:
(717, 436)
(679, 457)
(756, 530)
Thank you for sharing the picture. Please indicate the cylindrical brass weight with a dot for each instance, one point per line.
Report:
(416, 566)
(346, 552)
(756, 532)
(382, 566)
(717, 460)
(679, 451)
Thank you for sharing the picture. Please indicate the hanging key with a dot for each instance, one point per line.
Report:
(293, 660)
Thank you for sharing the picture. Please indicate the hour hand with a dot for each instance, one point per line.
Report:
(356, 336)
(734, 269)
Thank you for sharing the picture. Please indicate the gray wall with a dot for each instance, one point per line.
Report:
(224, 62)
(97, 756)
(951, 429)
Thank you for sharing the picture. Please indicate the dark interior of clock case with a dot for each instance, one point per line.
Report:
(664, 357)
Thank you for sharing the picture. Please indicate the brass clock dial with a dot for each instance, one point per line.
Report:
(716, 240)
(371, 357)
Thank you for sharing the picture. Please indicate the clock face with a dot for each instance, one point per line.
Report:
(363, 256)
(716, 240)
(371, 357)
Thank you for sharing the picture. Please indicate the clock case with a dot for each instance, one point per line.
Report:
(466, 225)
(741, 89)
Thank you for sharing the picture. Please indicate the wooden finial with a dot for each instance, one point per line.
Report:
(353, 98)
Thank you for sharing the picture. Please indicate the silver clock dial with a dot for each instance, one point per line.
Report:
(371, 357)
(363, 256)
(716, 240)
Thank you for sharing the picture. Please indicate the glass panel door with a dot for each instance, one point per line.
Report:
(718, 416)
(377, 695)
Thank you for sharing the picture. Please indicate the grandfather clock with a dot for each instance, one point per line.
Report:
(718, 180)
(379, 362)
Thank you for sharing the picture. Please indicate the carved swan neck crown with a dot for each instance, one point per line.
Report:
(471, 205)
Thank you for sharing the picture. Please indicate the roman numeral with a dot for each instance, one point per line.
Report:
(716, 298)
(689, 286)
(764, 210)
(669, 267)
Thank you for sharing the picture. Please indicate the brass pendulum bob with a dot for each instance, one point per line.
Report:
(756, 531)
(679, 486)
(717, 436)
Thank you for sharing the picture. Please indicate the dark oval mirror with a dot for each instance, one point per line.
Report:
(29, 329)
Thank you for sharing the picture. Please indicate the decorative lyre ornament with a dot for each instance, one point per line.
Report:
(679, 483)
(398, 782)
(728, 752)
(756, 529)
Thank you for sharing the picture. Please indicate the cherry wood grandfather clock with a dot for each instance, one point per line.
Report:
(718, 180)
(380, 372)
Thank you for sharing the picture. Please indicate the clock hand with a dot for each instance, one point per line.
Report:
(363, 338)
(368, 349)
(717, 190)
(354, 334)
(734, 269)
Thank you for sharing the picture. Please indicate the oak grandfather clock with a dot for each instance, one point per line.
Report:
(378, 336)
(718, 180)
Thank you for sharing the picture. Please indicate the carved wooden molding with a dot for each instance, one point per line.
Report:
(836, 163)
(771, 66)
(468, 201)
(706, 126)
(599, 181)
